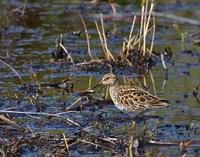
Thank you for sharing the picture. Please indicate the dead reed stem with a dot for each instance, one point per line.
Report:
(148, 23)
(153, 82)
(134, 49)
(3, 118)
(132, 27)
(131, 38)
(141, 22)
(112, 6)
(87, 36)
(144, 26)
(153, 36)
(144, 81)
(138, 39)
(68, 55)
(102, 37)
(109, 54)
(75, 102)
(66, 145)
(59, 115)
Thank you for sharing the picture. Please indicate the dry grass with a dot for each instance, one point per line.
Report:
(135, 50)
(107, 53)
(87, 36)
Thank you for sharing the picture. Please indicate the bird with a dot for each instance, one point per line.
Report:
(130, 99)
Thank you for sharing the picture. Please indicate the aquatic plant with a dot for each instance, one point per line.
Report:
(135, 51)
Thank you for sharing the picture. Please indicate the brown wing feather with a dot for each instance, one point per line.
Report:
(139, 99)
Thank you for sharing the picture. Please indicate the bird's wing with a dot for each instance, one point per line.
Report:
(139, 99)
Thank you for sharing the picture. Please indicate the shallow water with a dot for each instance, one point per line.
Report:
(28, 41)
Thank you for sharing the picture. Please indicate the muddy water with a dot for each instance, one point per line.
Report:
(28, 41)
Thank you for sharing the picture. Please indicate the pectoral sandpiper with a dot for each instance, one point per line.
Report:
(131, 99)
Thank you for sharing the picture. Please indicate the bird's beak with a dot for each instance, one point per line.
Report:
(99, 84)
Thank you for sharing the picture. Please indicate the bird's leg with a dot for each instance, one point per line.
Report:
(141, 118)
(145, 118)
(144, 126)
(133, 135)
(133, 140)
(154, 130)
(133, 130)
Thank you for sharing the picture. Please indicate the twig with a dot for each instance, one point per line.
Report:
(66, 145)
(11, 122)
(73, 103)
(68, 55)
(9, 66)
(44, 114)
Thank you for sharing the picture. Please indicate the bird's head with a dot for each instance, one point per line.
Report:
(108, 79)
